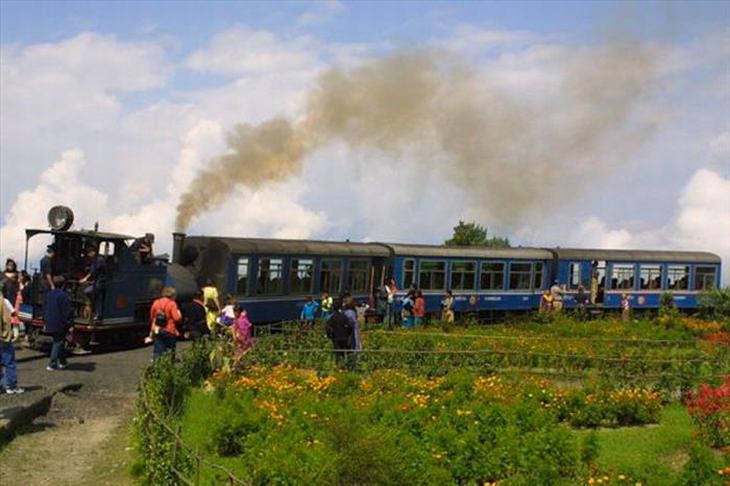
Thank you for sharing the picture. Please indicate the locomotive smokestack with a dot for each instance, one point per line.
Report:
(178, 241)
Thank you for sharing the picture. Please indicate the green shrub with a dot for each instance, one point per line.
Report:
(701, 468)
(715, 304)
(589, 449)
(160, 401)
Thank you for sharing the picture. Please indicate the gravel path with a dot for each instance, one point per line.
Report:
(85, 431)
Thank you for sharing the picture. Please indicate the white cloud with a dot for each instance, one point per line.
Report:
(470, 39)
(323, 11)
(720, 150)
(240, 50)
(60, 184)
(701, 222)
(142, 153)
(71, 80)
(703, 219)
(594, 233)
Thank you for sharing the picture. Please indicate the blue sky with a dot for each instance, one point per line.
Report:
(193, 22)
(100, 100)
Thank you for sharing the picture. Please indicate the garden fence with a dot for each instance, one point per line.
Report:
(179, 446)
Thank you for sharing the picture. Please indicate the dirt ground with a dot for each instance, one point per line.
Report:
(86, 438)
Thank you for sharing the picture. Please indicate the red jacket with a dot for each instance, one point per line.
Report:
(419, 307)
(172, 312)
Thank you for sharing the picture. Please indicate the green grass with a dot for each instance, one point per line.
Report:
(651, 454)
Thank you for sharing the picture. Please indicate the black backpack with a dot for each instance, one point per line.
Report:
(161, 318)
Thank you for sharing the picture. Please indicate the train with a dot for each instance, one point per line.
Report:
(271, 278)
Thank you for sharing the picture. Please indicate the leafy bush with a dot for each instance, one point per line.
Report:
(702, 468)
(160, 400)
(715, 304)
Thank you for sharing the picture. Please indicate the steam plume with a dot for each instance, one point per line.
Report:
(508, 154)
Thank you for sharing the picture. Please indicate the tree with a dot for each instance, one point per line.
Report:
(473, 234)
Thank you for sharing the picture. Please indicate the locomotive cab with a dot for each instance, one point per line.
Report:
(111, 290)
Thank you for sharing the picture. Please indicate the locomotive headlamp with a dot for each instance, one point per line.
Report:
(60, 218)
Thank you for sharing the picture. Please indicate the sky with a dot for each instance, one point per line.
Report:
(113, 108)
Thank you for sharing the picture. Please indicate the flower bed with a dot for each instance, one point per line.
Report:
(459, 428)
(710, 410)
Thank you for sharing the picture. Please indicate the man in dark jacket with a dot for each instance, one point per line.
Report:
(194, 313)
(339, 331)
(58, 318)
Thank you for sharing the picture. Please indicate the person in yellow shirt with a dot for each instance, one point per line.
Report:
(212, 304)
(546, 302)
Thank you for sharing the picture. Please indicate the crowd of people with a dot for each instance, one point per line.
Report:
(196, 319)
(209, 313)
(15, 289)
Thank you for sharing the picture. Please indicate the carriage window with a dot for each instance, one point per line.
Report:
(432, 275)
(492, 276)
(622, 276)
(300, 276)
(463, 275)
(651, 277)
(409, 272)
(519, 276)
(270, 277)
(537, 281)
(330, 278)
(704, 278)
(357, 276)
(678, 277)
(574, 276)
(242, 276)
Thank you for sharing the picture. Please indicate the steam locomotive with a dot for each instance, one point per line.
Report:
(271, 278)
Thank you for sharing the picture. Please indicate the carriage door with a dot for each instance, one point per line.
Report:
(377, 275)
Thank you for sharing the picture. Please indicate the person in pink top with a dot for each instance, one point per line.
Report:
(419, 308)
(242, 330)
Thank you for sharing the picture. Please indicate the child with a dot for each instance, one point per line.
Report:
(408, 319)
(419, 309)
(447, 307)
(625, 308)
(309, 312)
(546, 301)
(242, 330)
(228, 313)
(326, 306)
(361, 310)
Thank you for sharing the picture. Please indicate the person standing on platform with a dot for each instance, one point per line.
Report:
(58, 317)
(8, 366)
(212, 304)
(164, 317)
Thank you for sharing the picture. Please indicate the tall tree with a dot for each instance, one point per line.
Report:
(473, 234)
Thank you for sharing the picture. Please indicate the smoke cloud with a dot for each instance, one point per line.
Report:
(507, 152)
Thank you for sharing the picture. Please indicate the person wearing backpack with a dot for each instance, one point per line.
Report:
(340, 331)
(164, 317)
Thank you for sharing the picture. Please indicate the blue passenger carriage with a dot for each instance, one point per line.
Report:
(271, 278)
(643, 275)
(482, 279)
